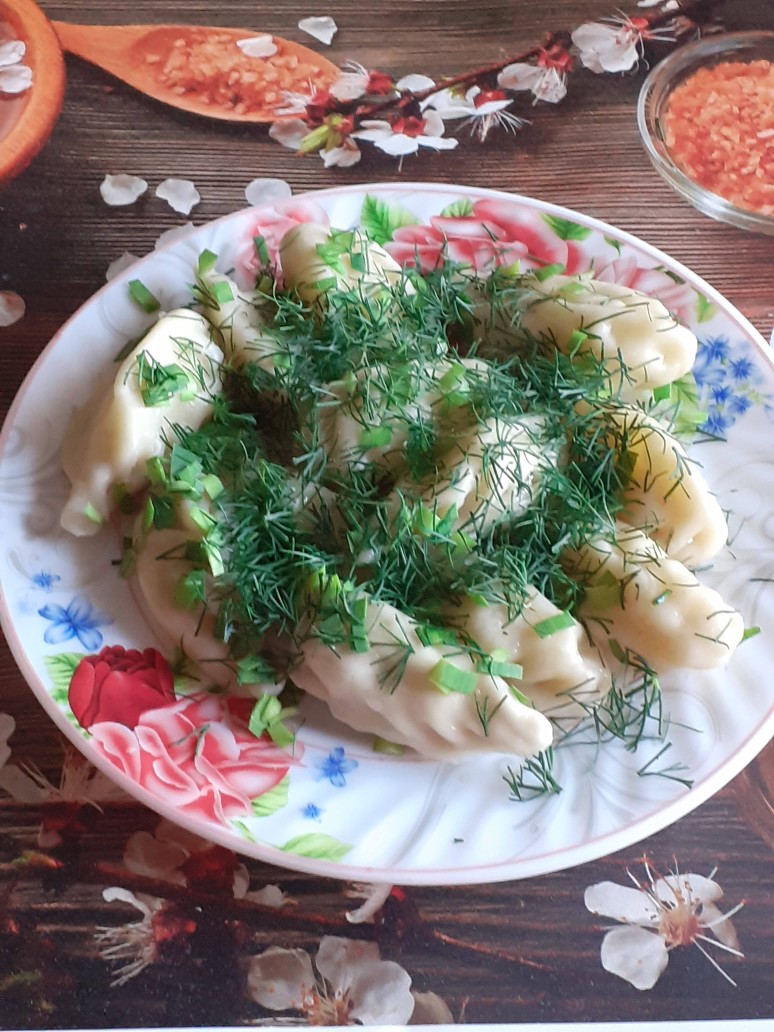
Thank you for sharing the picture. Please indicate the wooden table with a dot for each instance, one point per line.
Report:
(524, 951)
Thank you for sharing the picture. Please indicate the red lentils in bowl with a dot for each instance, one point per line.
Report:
(719, 128)
(706, 117)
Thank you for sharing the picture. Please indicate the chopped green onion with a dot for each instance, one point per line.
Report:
(156, 472)
(261, 249)
(750, 632)
(560, 622)
(577, 339)
(663, 393)
(661, 598)
(255, 670)
(428, 634)
(222, 292)
(267, 716)
(92, 514)
(206, 262)
(201, 519)
(140, 293)
(358, 261)
(498, 668)
(189, 591)
(212, 485)
(375, 437)
(326, 284)
(450, 678)
(547, 271)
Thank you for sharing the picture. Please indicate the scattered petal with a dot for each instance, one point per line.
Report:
(322, 29)
(12, 307)
(180, 194)
(20, 786)
(414, 83)
(122, 189)
(12, 51)
(289, 134)
(16, 79)
(257, 46)
(634, 954)
(267, 191)
(430, 1009)
(116, 267)
(170, 235)
(268, 896)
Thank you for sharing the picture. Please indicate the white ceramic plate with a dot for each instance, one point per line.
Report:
(339, 808)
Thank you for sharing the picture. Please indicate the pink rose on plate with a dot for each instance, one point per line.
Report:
(495, 233)
(197, 755)
(679, 297)
(272, 223)
(119, 684)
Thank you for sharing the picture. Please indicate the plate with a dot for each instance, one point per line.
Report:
(337, 807)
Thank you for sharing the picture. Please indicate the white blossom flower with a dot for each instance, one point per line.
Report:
(180, 194)
(481, 110)
(546, 83)
(322, 29)
(258, 46)
(267, 191)
(12, 307)
(352, 984)
(614, 44)
(657, 916)
(406, 135)
(133, 944)
(15, 77)
(122, 189)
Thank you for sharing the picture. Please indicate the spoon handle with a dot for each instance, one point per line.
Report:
(98, 43)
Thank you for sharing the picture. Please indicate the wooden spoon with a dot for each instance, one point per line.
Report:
(201, 69)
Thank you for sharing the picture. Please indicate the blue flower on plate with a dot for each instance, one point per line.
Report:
(729, 382)
(45, 580)
(335, 767)
(312, 811)
(78, 620)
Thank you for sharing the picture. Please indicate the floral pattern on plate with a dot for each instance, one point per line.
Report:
(334, 806)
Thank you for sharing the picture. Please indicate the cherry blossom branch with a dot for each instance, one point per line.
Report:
(399, 117)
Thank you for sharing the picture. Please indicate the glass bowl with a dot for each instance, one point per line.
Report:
(27, 119)
(653, 114)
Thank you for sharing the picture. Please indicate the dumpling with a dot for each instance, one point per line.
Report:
(160, 564)
(307, 269)
(651, 605)
(489, 471)
(170, 378)
(387, 691)
(617, 325)
(666, 495)
(562, 674)
(238, 321)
